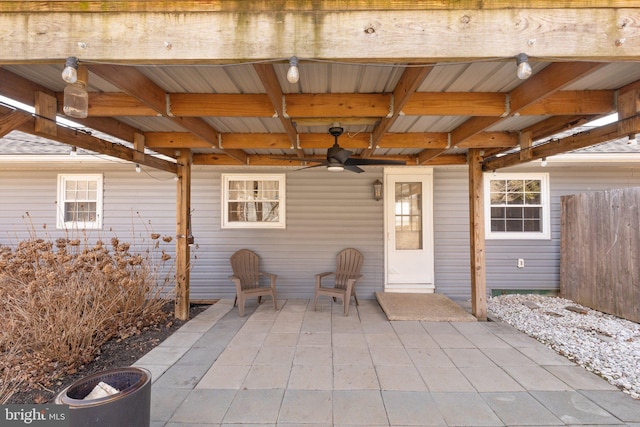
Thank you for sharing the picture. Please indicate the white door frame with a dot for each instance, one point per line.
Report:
(418, 265)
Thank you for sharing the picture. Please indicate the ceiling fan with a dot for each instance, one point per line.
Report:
(339, 159)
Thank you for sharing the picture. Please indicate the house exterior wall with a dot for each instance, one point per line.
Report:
(326, 212)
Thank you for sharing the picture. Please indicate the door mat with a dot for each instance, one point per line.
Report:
(427, 307)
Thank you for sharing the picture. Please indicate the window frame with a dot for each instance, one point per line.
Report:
(87, 225)
(545, 204)
(279, 178)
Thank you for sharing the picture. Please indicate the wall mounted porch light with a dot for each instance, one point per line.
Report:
(377, 190)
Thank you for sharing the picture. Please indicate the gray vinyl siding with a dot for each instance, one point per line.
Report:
(542, 257)
(326, 212)
(451, 231)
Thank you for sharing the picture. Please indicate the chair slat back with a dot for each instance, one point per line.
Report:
(246, 266)
(348, 263)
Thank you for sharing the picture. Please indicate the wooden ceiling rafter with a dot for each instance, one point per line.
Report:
(13, 120)
(411, 79)
(25, 91)
(269, 79)
(92, 143)
(139, 86)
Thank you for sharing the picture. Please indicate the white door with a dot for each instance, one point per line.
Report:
(409, 230)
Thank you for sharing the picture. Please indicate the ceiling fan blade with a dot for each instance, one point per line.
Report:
(312, 166)
(353, 168)
(302, 159)
(356, 161)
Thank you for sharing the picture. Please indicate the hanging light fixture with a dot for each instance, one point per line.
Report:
(138, 169)
(73, 152)
(70, 72)
(76, 98)
(293, 75)
(543, 162)
(523, 70)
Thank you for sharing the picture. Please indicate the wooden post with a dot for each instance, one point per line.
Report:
(183, 223)
(476, 228)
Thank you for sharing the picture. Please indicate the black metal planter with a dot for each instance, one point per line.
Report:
(130, 407)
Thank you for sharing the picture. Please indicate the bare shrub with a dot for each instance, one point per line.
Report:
(63, 299)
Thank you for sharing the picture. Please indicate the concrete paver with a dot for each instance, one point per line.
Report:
(300, 367)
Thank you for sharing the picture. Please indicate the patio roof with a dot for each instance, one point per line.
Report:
(390, 76)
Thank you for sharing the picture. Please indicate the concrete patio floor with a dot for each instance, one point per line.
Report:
(300, 367)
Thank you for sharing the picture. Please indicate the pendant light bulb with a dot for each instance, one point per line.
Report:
(138, 168)
(293, 75)
(523, 67)
(543, 162)
(70, 72)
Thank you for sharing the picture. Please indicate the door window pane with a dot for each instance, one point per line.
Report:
(408, 215)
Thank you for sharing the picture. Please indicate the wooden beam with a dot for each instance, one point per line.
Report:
(324, 140)
(338, 105)
(13, 120)
(554, 125)
(429, 154)
(572, 102)
(86, 141)
(220, 105)
(46, 109)
(554, 147)
(183, 231)
(269, 79)
(139, 86)
(20, 89)
(477, 240)
(547, 82)
(304, 108)
(525, 146)
(411, 79)
(101, 6)
(456, 104)
(451, 31)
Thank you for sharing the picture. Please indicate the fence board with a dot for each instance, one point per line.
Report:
(600, 251)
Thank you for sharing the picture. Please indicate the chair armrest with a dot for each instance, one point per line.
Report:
(272, 277)
(327, 273)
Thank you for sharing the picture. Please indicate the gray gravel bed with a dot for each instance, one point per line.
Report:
(606, 345)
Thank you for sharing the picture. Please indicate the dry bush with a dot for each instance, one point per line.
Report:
(63, 299)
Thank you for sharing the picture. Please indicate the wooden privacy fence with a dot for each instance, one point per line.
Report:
(600, 251)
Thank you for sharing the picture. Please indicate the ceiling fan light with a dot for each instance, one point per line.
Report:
(335, 168)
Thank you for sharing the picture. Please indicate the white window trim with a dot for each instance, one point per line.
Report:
(281, 223)
(93, 225)
(545, 234)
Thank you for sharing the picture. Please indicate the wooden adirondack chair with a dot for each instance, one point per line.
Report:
(246, 276)
(348, 264)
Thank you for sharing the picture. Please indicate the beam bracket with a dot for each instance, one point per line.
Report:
(167, 102)
(507, 106)
(391, 107)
